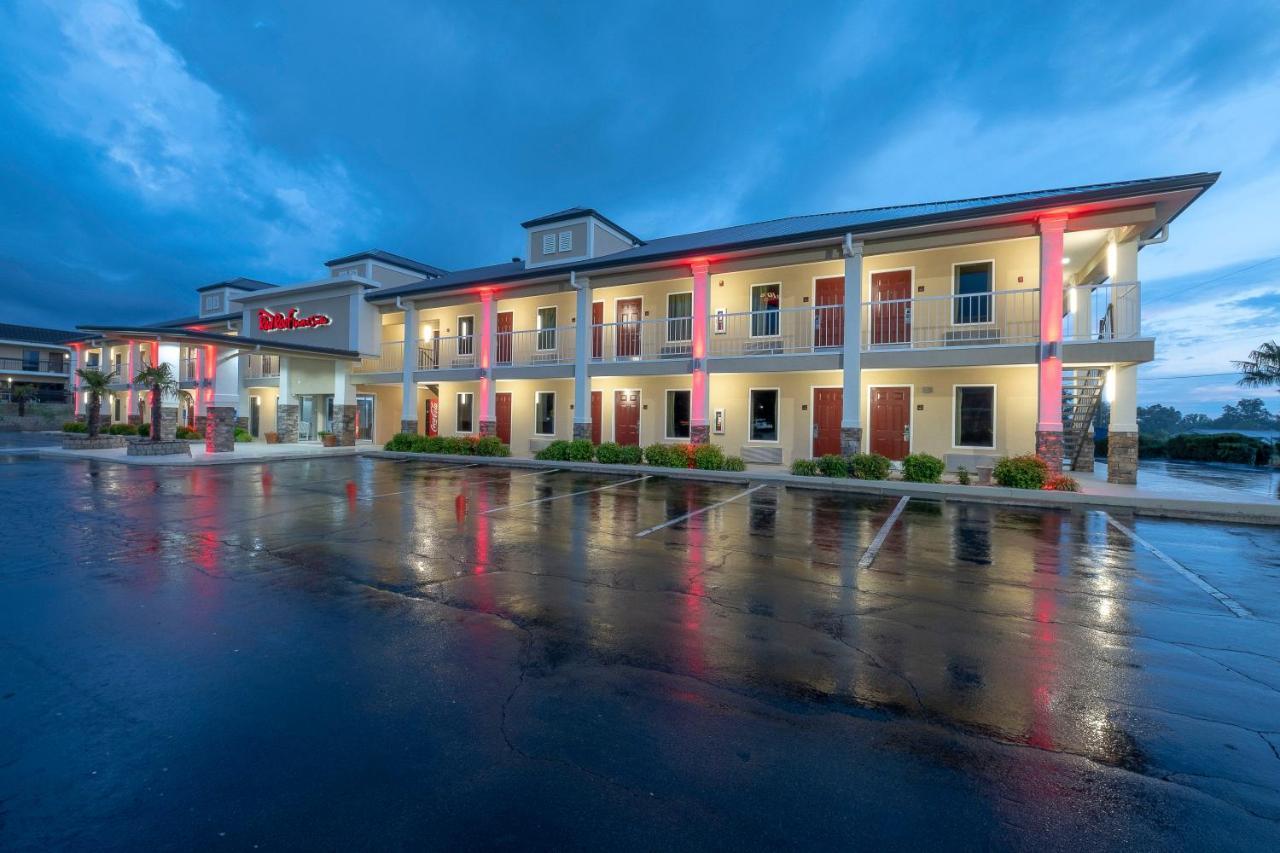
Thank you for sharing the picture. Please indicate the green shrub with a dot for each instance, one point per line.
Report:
(632, 454)
(187, 433)
(581, 450)
(922, 468)
(457, 445)
(804, 468)
(962, 476)
(1151, 448)
(241, 435)
(75, 426)
(401, 442)
(1062, 483)
(666, 456)
(491, 445)
(869, 466)
(1027, 471)
(125, 429)
(708, 457)
(609, 453)
(427, 444)
(144, 430)
(556, 451)
(1227, 447)
(734, 463)
(832, 465)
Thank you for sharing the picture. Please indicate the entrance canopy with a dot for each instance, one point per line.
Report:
(196, 338)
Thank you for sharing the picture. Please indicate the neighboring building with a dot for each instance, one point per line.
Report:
(30, 355)
(967, 329)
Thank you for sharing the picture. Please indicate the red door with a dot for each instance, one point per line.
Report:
(891, 316)
(626, 417)
(597, 330)
(828, 405)
(505, 320)
(828, 313)
(597, 415)
(502, 414)
(891, 422)
(628, 328)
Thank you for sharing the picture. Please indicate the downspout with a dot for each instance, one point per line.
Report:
(1161, 236)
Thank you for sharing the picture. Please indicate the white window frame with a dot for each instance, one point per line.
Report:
(751, 312)
(537, 397)
(666, 414)
(537, 321)
(955, 416)
(777, 416)
(457, 412)
(566, 241)
(951, 319)
(549, 243)
(472, 335)
(670, 319)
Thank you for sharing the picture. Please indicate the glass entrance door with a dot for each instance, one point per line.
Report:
(364, 417)
(306, 418)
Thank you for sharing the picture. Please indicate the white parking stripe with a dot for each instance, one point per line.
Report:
(449, 468)
(530, 474)
(1225, 600)
(570, 495)
(689, 515)
(874, 547)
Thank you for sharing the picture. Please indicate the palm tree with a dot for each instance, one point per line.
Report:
(96, 382)
(160, 379)
(1262, 368)
(23, 394)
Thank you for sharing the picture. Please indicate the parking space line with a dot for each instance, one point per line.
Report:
(529, 474)
(1222, 598)
(874, 548)
(450, 468)
(689, 515)
(570, 495)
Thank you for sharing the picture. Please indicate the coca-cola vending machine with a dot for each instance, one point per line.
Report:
(433, 417)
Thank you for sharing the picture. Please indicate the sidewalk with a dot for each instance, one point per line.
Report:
(245, 452)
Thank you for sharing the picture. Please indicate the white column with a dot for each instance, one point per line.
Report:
(226, 378)
(409, 360)
(581, 357)
(344, 390)
(284, 380)
(1124, 402)
(488, 391)
(74, 362)
(104, 365)
(700, 398)
(1049, 445)
(851, 395)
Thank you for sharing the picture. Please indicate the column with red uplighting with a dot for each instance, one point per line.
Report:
(700, 398)
(1049, 445)
(488, 393)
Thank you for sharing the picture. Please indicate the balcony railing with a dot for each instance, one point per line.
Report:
(188, 369)
(642, 340)
(979, 319)
(1103, 312)
(534, 346)
(390, 359)
(459, 351)
(777, 331)
(261, 367)
(60, 366)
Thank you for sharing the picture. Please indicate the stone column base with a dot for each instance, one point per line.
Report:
(343, 425)
(168, 423)
(850, 440)
(1122, 458)
(582, 430)
(1049, 448)
(699, 433)
(219, 429)
(488, 428)
(1084, 459)
(287, 415)
(242, 422)
(202, 421)
(410, 426)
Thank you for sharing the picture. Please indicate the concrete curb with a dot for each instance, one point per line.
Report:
(1243, 513)
(188, 461)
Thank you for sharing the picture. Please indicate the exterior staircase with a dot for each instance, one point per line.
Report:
(1081, 393)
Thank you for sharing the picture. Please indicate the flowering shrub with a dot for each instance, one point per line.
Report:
(1061, 483)
(1027, 471)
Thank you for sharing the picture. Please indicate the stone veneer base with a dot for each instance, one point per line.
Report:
(488, 428)
(850, 440)
(1122, 458)
(409, 426)
(582, 430)
(220, 429)
(1049, 447)
(699, 433)
(147, 447)
(287, 415)
(343, 424)
(99, 442)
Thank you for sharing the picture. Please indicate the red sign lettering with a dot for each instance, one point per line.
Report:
(274, 321)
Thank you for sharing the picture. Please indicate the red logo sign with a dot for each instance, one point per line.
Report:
(274, 321)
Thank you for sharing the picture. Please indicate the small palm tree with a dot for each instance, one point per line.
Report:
(160, 379)
(23, 394)
(96, 382)
(1262, 368)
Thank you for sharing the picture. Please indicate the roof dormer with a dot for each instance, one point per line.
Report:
(382, 268)
(216, 298)
(574, 234)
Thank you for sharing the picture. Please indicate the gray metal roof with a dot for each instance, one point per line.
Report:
(199, 337)
(249, 284)
(38, 334)
(194, 320)
(814, 226)
(388, 258)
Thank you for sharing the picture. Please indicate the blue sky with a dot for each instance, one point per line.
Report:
(151, 147)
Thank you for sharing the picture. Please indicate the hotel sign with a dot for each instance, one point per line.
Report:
(276, 321)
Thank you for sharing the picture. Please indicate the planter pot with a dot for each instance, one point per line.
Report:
(272, 437)
(329, 440)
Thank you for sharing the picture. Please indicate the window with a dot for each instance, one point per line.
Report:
(464, 421)
(116, 417)
(118, 363)
(679, 316)
(544, 413)
(678, 414)
(566, 241)
(57, 362)
(466, 335)
(547, 328)
(766, 300)
(31, 359)
(972, 288)
(764, 414)
(93, 359)
(975, 416)
(548, 244)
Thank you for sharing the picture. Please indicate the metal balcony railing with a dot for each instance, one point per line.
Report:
(54, 365)
(534, 347)
(777, 331)
(459, 351)
(260, 367)
(642, 340)
(390, 359)
(1102, 312)
(980, 319)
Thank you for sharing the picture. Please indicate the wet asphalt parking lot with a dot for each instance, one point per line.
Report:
(369, 654)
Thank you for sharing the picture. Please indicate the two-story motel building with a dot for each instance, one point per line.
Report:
(968, 329)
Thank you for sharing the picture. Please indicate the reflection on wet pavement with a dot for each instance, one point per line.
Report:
(367, 652)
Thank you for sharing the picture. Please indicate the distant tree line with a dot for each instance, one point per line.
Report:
(1161, 421)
